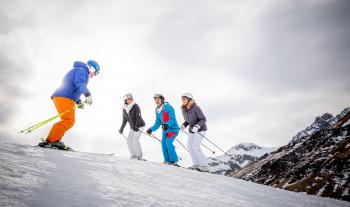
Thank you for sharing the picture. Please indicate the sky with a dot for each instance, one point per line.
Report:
(260, 70)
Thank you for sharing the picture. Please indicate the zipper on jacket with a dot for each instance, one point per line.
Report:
(132, 124)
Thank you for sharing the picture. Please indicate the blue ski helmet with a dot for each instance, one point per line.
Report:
(95, 65)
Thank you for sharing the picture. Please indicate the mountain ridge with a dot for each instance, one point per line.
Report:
(315, 161)
(241, 155)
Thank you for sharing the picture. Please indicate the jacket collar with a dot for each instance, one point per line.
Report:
(162, 107)
(190, 105)
(129, 107)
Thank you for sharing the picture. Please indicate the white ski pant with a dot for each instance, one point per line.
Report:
(133, 141)
(194, 146)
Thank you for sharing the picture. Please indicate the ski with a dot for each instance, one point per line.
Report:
(55, 145)
(56, 148)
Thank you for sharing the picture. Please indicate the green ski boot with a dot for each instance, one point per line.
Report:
(60, 146)
(56, 145)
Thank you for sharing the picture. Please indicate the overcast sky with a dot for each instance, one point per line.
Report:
(260, 70)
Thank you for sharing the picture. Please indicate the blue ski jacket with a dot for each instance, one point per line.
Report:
(74, 82)
(166, 116)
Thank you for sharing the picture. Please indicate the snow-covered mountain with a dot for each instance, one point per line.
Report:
(316, 161)
(321, 122)
(32, 176)
(240, 155)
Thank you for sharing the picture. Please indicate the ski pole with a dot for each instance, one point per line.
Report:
(151, 135)
(212, 151)
(124, 137)
(182, 145)
(215, 145)
(32, 128)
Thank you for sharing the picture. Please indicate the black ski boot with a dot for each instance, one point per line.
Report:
(45, 144)
(55, 145)
(60, 146)
(174, 164)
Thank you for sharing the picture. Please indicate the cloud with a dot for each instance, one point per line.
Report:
(303, 47)
(259, 70)
(279, 46)
(13, 68)
(283, 46)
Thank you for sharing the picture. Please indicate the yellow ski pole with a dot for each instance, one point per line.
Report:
(32, 128)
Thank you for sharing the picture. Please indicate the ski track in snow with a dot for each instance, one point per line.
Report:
(31, 176)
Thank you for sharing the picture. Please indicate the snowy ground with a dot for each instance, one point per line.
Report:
(31, 176)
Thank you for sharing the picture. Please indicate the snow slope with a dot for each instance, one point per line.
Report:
(31, 176)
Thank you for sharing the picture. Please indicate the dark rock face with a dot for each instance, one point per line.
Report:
(318, 163)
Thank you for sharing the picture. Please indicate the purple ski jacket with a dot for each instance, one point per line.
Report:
(193, 115)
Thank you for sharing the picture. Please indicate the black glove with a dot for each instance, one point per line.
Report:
(136, 129)
(149, 131)
(120, 131)
(79, 104)
(165, 127)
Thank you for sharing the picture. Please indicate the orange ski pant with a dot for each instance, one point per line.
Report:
(67, 120)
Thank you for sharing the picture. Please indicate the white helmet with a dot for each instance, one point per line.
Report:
(127, 96)
(158, 95)
(187, 95)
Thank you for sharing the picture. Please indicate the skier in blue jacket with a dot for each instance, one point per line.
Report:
(165, 117)
(74, 84)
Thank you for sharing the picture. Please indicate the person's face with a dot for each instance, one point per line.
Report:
(93, 74)
(129, 101)
(92, 71)
(184, 101)
(158, 101)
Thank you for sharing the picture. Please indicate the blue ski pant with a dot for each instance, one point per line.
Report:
(168, 148)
